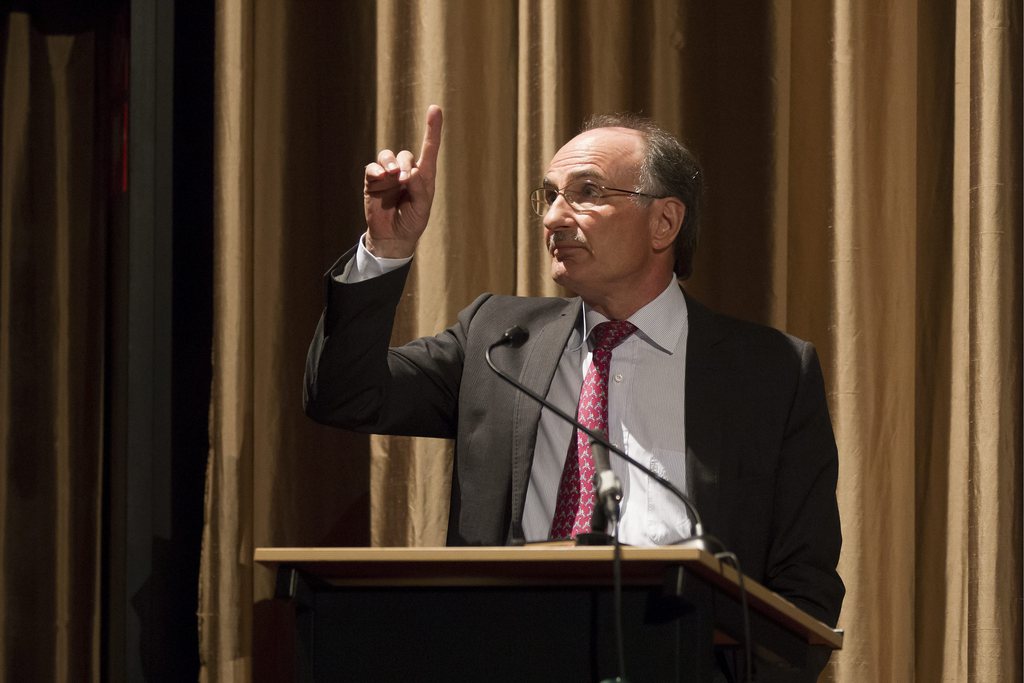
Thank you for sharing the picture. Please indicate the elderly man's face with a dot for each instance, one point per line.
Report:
(608, 246)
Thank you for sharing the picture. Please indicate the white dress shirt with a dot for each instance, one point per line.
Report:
(645, 419)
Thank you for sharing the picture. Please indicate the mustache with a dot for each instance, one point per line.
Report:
(565, 236)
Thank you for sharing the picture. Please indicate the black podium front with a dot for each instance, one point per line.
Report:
(524, 614)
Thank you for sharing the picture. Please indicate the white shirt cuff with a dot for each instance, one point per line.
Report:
(366, 266)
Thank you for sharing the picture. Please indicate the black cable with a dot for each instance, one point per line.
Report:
(732, 559)
(617, 571)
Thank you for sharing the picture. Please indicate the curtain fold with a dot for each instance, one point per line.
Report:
(226, 564)
(52, 310)
(873, 331)
(987, 162)
(864, 174)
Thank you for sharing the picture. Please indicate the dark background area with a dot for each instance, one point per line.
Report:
(168, 647)
(192, 296)
(162, 306)
(154, 74)
(161, 403)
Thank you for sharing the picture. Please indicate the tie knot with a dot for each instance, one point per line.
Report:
(612, 333)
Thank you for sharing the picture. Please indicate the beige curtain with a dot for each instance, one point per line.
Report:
(864, 162)
(52, 308)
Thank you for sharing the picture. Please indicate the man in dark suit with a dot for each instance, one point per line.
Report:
(731, 412)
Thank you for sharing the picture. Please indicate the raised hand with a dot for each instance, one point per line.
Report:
(398, 193)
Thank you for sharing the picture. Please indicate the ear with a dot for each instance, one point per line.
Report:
(667, 222)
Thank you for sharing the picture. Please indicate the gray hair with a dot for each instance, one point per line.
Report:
(668, 169)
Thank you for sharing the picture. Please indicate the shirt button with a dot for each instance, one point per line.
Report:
(618, 378)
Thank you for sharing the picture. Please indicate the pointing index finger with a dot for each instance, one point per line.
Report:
(431, 141)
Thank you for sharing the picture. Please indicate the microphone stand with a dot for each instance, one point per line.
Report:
(608, 491)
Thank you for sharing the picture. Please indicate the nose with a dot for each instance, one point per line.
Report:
(559, 213)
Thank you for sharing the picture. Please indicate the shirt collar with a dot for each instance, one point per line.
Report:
(661, 322)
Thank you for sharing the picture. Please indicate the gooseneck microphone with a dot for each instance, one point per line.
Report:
(515, 337)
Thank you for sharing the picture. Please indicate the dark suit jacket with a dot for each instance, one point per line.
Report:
(761, 454)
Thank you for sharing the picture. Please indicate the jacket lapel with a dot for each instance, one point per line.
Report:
(704, 380)
(541, 355)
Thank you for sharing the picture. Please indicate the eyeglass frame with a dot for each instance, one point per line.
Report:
(537, 198)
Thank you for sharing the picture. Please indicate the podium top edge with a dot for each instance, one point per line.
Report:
(538, 553)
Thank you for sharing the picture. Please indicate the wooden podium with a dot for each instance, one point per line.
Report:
(527, 613)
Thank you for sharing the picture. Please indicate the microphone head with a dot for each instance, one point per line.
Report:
(515, 336)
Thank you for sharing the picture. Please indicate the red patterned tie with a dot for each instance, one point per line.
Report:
(575, 504)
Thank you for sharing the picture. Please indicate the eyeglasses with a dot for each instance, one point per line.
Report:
(583, 195)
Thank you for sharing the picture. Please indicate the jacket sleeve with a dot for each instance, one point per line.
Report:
(354, 380)
(806, 535)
